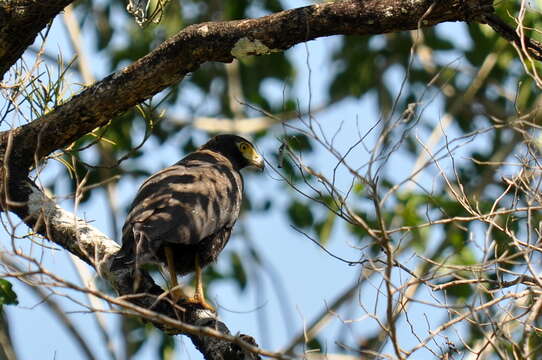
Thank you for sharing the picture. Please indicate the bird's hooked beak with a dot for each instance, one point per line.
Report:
(255, 160)
(258, 161)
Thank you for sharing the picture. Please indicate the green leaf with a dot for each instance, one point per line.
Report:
(298, 142)
(314, 344)
(136, 334)
(238, 271)
(359, 188)
(409, 210)
(435, 42)
(324, 228)
(7, 295)
(300, 214)
(104, 30)
(166, 350)
(288, 169)
(460, 292)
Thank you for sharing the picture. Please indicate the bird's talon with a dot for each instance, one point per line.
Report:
(204, 304)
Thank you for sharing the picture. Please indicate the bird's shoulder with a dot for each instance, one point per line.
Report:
(192, 169)
(199, 175)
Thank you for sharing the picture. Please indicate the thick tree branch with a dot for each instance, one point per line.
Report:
(222, 41)
(533, 47)
(20, 22)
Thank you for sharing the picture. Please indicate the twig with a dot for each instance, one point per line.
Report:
(320, 321)
(533, 47)
(59, 313)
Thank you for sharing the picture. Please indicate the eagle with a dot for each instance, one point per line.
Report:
(182, 216)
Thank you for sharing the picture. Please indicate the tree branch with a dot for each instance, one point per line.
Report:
(533, 47)
(221, 42)
(20, 22)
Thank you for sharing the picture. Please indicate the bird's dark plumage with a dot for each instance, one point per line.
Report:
(183, 215)
(191, 206)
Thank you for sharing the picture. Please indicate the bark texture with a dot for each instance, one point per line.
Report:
(20, 23)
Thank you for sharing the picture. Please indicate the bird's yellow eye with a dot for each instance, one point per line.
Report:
(243, 147)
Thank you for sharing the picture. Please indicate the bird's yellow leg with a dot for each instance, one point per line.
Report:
(199, 296)
(176, 290)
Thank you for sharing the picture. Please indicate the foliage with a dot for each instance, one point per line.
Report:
(7, 295)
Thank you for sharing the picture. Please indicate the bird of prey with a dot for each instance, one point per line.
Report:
(183, 215)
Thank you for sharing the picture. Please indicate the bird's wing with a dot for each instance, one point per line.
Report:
(185, 203)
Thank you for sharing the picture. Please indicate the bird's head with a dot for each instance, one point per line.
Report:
(238, 150)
